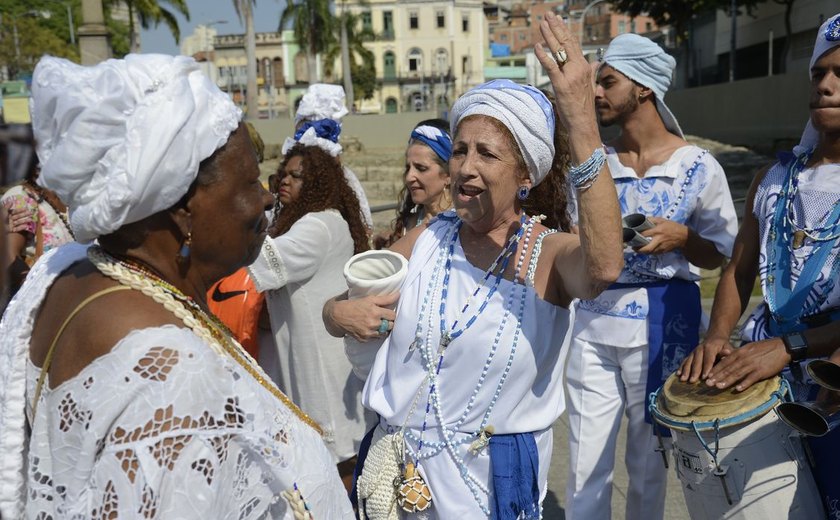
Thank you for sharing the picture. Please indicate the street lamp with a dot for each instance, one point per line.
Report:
(69, 20)
(589, 6)
(207, 26)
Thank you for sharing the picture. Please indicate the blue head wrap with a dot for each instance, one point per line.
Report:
(324, 128)
(436, 139)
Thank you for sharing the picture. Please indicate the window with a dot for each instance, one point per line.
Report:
(622, 27)
(465, 65)
(441, 19)
(367, 21)
(390, 67)
(388, 25)
(522, 37)
(465, 22)
(415, 60)
(413, 20)
(391, 106)
(648, 27)
(632, 26)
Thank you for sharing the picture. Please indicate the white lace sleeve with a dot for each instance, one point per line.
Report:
(161, 427)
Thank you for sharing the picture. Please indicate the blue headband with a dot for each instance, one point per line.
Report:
(324, 128)
(436, 139)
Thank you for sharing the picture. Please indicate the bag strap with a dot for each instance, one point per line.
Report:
(51, 352)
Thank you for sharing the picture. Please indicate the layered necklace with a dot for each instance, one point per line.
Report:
(206, 326)
(788, 302)
(433, 359)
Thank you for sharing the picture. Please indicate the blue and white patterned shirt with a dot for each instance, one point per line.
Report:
(617, 317)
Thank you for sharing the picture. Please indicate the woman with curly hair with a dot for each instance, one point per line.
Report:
(301, 266)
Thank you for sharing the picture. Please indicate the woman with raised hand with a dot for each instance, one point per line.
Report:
(120, 394)
(470, 379)
(301, 266)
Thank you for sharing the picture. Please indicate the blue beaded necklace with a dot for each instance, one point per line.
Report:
(786, 301)
(433, 367)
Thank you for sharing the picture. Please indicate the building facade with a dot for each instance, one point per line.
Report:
(427, 52)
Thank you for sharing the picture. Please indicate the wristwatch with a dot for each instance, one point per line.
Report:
(796, 346)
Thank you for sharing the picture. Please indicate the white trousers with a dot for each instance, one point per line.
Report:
(602, 382)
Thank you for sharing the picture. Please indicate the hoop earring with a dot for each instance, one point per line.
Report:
(184, 253)
(447, 194)
(523, 192)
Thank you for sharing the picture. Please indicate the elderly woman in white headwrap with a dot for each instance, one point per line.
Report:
(469, 381)
(120, 394)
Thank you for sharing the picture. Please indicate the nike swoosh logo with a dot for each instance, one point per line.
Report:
(219, 296)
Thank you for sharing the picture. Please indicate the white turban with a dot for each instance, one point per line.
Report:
(123, 140)
(321, 101)
(828, 37)
(524, 110)
(646, 63)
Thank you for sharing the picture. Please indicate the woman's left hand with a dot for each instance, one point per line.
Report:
(19, 220)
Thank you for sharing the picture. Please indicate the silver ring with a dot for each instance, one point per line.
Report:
(561, 57)
(383, 327)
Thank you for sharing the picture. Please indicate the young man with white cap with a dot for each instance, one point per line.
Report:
(629, 339)
(789, 237)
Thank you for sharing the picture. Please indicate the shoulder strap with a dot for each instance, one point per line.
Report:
(51, 352)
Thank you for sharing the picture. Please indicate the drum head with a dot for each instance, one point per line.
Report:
(697, 402)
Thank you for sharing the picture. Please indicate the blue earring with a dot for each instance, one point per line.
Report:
(523, 192)
(184, 252)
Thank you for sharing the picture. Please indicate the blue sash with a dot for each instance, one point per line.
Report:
(673, 329)
(515, 463)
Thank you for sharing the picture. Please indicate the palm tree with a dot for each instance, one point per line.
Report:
(245, 10)
(152, 13)
(313, 29)
(356, 73)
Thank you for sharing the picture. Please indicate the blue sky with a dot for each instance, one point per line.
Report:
(266, 16)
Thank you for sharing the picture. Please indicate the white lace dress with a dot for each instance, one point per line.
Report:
(159, 427)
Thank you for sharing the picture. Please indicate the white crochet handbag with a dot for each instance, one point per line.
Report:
(377, 485)
(371, 273)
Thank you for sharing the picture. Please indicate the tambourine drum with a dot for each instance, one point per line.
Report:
(732, 454)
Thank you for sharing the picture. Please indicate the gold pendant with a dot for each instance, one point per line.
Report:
(798, 239)
(413, 494)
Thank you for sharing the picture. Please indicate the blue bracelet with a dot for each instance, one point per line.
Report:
(583, 175)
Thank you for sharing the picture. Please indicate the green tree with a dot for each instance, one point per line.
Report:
(151, 13)
(245, 11)
(31, 28)
(313, 26)
(362, 68)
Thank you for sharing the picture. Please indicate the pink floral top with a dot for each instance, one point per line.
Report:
(53, 228)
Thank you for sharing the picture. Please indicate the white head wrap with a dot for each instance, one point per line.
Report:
(322, 101)
(123, 140)
(828, 37)
(646, 63)
(524, 110)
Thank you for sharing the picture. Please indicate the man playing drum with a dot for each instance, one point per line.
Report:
(632, 336)
(789, 237)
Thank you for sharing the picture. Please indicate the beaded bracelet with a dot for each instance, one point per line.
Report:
(583, 175)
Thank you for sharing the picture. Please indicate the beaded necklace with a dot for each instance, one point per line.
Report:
(786, 301)
(816, 234)
(688, 175)
(433, 367)
(206, 326)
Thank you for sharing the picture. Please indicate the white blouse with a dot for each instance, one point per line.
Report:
(159, 427)
(299, 271)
